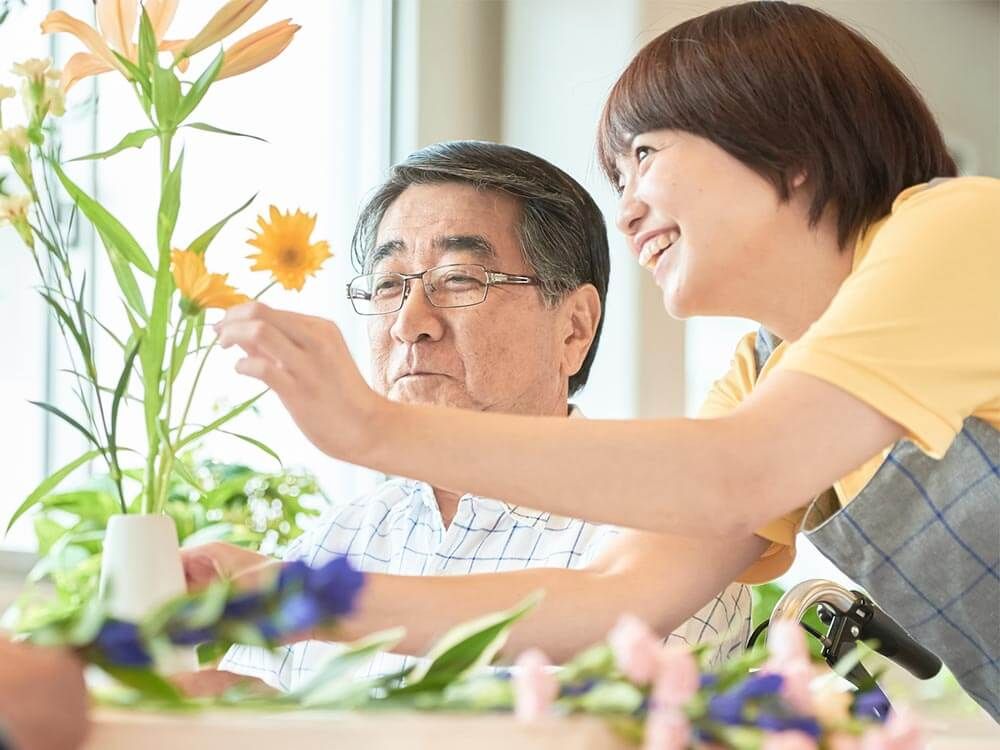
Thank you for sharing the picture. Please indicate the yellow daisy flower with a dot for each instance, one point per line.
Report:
(285, 249)
(200, 289)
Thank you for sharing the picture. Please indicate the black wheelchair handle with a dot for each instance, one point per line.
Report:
(896, 644)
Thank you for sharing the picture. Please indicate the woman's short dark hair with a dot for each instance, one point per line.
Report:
(785, 89)
(561, 231)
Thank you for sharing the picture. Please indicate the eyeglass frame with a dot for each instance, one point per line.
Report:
(493, 278)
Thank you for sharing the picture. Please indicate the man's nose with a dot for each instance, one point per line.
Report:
(417, 319)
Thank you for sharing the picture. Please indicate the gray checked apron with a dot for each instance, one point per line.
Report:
(923, 539)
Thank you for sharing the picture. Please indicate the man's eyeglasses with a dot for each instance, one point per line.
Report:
(455, 285)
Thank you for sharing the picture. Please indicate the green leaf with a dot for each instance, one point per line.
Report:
(147, 45)
(147, 683)
(170, 204)
(115, 236)
(135, 139)
(323, 685)
(200, 87)
(466, 647)
(202, 241)
(180, 351)
(212, 129)
(234, 412)
(256, 443)
(166, 97)
(50, 483)
(120, 392)
(140, 77)
(68, 419)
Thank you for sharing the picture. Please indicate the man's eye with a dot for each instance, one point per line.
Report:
(386, 287)
(460, 281)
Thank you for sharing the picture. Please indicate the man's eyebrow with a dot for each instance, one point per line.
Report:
(473, 243)
(383, 251)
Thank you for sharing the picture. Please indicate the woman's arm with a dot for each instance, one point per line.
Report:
(789, 441)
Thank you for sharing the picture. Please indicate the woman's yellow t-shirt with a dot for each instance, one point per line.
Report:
(914, 331)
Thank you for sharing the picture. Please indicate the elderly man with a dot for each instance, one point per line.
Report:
(485, 273)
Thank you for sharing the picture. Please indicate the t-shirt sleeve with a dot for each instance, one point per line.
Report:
(915, 330)
(725, 395)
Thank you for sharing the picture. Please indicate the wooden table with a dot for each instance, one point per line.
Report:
(116, 729)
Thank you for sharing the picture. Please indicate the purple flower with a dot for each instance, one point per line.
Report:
(268, 630)
(726, 708)
(293, 575)
(192, 636)
(761, 683)
(707, 681)
(335, 585)
(577, 688)
(244, 605)
(298, 612)
(774, 723)
(873, 704)
(121, 644)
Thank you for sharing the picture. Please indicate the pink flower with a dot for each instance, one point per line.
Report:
(636, 649)
(786, 641)
(677, 677)
(843, 741)
(788, 741)
(901, 732)
(535, 687)
(667, 729)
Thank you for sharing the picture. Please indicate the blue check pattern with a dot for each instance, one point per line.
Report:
(398, 529)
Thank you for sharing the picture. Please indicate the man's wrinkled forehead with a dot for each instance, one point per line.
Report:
(476, 245)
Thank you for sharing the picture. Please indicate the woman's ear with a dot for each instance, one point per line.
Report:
(580, 313)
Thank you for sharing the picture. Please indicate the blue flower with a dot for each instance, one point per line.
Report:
(577, 688)
(775, 723)
(268, 630)
(293, 575)
(121, 644)
(761, 683)
(298, 612)
(335, 585)
(726, 708)
(873, 704)
(707, 681)
(244, 605)
(191, 636)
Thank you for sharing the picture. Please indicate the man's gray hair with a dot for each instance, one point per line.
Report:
(561, 231)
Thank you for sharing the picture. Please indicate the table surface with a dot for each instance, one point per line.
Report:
(116, 729)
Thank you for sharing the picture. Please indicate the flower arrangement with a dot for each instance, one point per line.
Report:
(166, 291)
(661, 697)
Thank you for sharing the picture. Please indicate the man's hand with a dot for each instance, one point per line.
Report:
(43, 700)
(219, 561)
(306, 362)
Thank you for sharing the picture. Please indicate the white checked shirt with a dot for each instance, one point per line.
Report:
(398, 529)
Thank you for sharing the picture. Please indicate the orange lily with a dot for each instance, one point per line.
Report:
(226, 20)
(116, 20)
(258, 48)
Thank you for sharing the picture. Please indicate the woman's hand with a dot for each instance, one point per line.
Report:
(217, 561)
(306, 362)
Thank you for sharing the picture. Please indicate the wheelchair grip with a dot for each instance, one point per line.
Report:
(896, 644)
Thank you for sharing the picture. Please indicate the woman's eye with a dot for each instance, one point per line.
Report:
(641, 152)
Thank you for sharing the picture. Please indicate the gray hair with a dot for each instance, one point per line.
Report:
(561, 232)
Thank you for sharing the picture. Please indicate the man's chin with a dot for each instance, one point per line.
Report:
(430, 391)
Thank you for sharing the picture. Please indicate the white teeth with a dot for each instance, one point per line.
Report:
(654, 247)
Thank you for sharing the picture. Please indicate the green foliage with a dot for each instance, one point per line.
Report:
(240, 505)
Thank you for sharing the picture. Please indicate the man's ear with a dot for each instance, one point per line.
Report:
(580, 314)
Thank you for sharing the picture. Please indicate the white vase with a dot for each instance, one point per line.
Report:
(140, 571)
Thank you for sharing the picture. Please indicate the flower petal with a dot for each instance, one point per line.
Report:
(80, 66)
(161, 14)
(116, 19)
(226, 20)
(60, 21)
(258, 48)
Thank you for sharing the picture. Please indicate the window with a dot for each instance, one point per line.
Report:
(323, 108)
